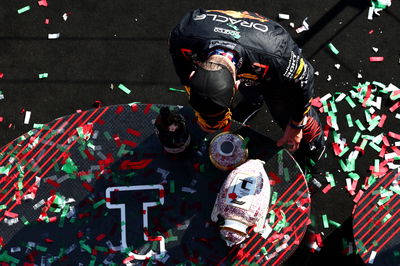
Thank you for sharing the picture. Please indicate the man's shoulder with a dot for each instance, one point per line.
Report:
(248, 29)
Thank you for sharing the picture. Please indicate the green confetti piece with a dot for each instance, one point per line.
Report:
(350, 102)
(375, 147)
(172, 89)
(367, 116)
(107, 135)
(85, 246)
(24, 220)
(43, 75)
(335, 224)
(264, 251)
(349, 120)
(373, 125)
(101, 249)
(333, 49)
(41, 248)
(325, 221)
(3, 206)
(356, 137)
(286, 174)
(376, 165)
(38, 126)
(383, 201)
(124, 88)
(360, 125)
(363, 144)
(69, 167)
(379, 84)
(99, 203)
(202, 168)
(395, 189)
(274, 197)
(345, 149)
(24, 9)
(343, 166)
(354, 176)
(272, 216)
(172, 186)
(333, 107)
(122, 151)
(5, 169)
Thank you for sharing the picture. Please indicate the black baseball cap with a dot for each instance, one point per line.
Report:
(211, 91)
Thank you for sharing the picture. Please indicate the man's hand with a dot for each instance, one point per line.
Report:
(292, 137)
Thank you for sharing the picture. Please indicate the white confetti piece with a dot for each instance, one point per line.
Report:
(53, 36)
(27, 117)
(284, 16)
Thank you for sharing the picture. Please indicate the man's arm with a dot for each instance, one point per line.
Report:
(298, 75)
(181, 58)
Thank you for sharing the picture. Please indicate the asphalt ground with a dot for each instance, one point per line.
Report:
(106, 43)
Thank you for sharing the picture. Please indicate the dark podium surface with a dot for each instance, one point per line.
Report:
(376, 221)
(97, 188)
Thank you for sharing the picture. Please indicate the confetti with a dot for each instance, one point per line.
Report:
(124, 88)
(24, 9)
(52, 36)
(333, 49)
(284, 16)
(376, 58)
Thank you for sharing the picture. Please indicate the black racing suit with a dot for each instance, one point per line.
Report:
(269, 63)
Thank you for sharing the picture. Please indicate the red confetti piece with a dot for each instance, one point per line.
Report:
(125, 165)
(134, 107)
(11, 214)
(42, 3)
(1, 75)
(327, 188)
(83, 215)
(395, 149)
(336, 148)
(316, 102)
(376, 58)
(147, 108)
(100, 237)
(161, 193)
(46, 21)
(117, 140)
(130, 143)
(371, 31)
(89, 155)
(367, 95)
(358, 196)
(275, 178)
(383, 151)
(394, 107)
(48, 240)
(232, 196)
(394, 135)
(87, 186)
(128, 259)
(134, 132)
(79, 234)
(100, 122)
(53, 183)
(318, 238)
(382, 121)
(119, 109)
